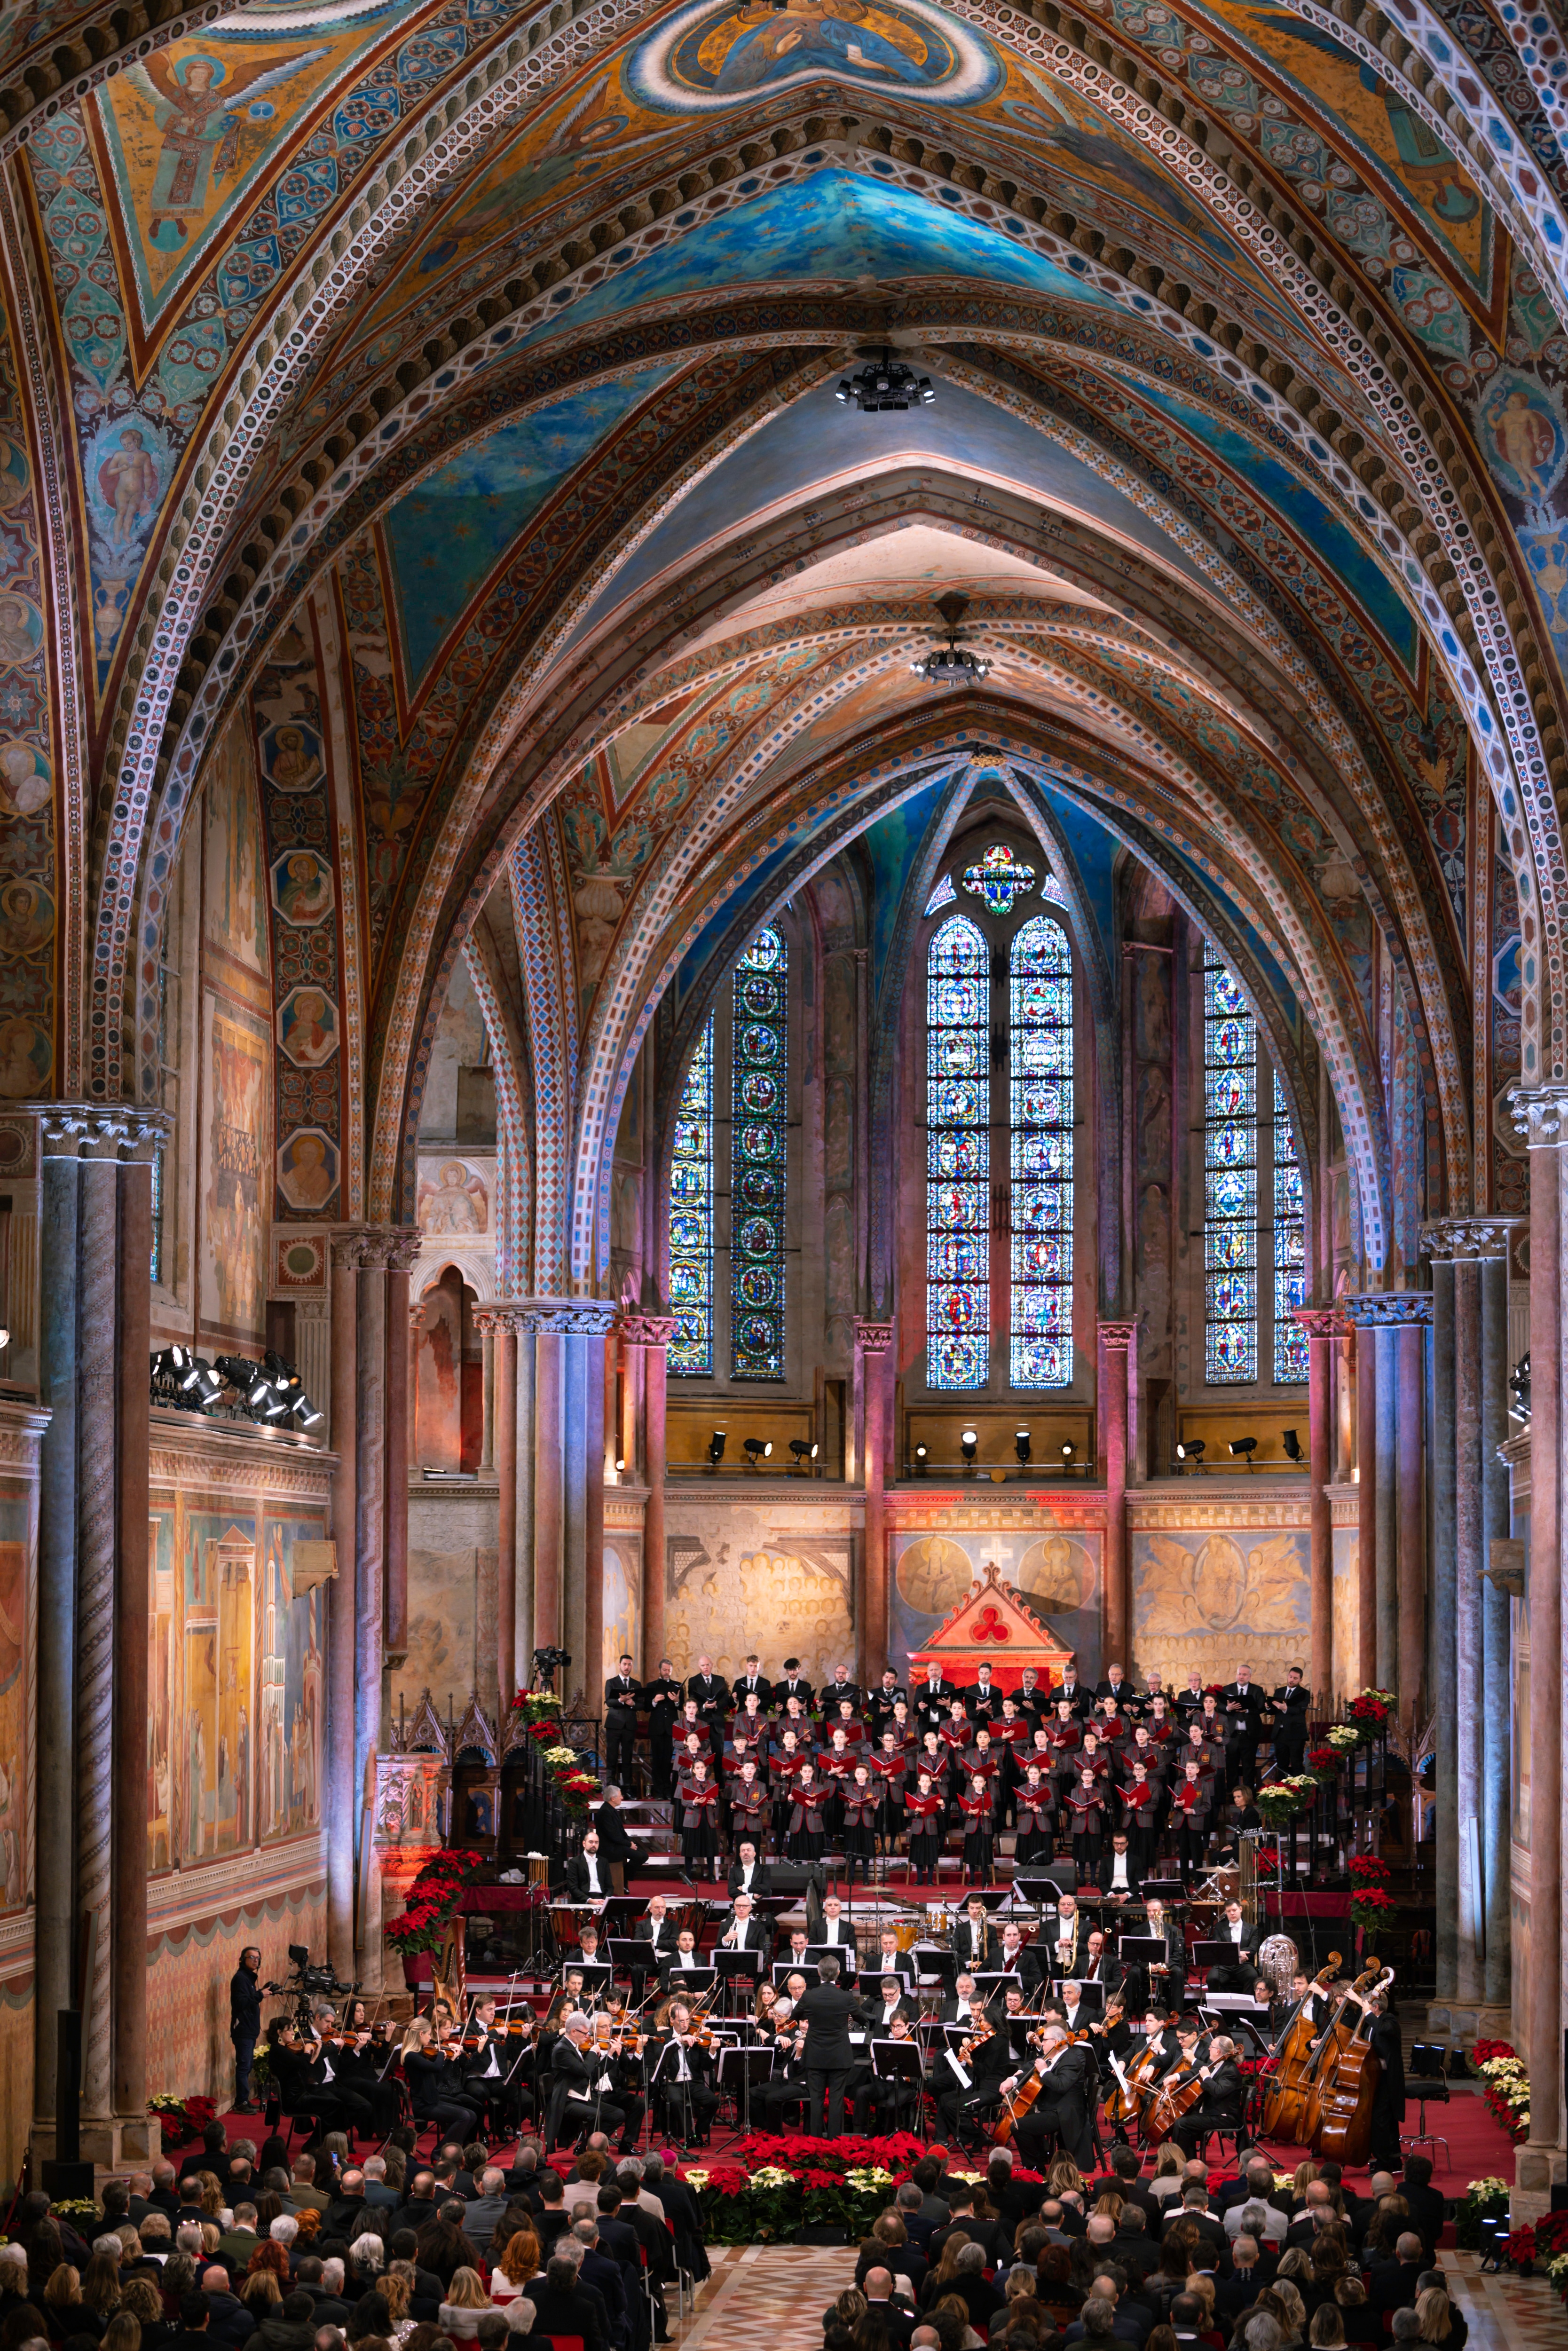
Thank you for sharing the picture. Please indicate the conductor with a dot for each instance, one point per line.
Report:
(826, 2010)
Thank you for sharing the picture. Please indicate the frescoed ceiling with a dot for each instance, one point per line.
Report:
(450, 386)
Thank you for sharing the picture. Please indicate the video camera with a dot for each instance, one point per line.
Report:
(546, 1662)
(308, 1981)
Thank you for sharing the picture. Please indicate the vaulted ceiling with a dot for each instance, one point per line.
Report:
(441, 398)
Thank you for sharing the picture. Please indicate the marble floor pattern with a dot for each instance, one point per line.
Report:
(771, 2298)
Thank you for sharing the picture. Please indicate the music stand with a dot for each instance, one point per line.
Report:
(784, 1968)
(693, 1981)
(1141, 1950)
(1091, 1996)
(749, 2065)
(1043, 1890)
(737, 1967)
(846, 1955)
(898, 2062)
(934, 1959)
(597, 1974)
(630, 1956)
(1219, 1955)
(1164, 1890)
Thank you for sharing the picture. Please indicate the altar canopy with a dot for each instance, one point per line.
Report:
(992, 1626)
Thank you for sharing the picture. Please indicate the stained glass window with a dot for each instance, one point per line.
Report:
(1290, 1248)
(957, 1157)
(1042, 1119)
(759, 1134)
(1230, 1178)
(691, 1218)
(943, 895)
(998, 878)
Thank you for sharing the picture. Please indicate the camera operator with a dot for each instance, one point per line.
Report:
(245, 2023)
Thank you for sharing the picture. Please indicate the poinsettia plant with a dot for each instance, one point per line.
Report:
(432, 1901)
(1366, 1869)
(181, 2118)
(1505, 2085)
(1280, 1800)
(1371, 1908)
(770, 2188)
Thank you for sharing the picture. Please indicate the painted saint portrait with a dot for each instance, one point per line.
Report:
(292, 757)
(1520, 426)
(934, 1574)
(307, 1027)
(307, 1171)
(714, 53)
(302, 885)
(27, 919)
(455, 1201)
(1056, 1575)
(21, 631)
(25, 780)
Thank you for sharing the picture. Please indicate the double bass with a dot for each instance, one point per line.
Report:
(1349, 2085)
(1285, 2097)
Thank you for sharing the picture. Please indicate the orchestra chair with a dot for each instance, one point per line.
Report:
(1426, 2083)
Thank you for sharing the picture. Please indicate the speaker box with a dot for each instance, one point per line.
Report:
(63, 2179)
(791, 1878)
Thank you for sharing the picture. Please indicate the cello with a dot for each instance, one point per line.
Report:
(1349, 2087)
(1285, 2097)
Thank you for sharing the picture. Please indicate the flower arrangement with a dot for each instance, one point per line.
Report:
(538, 1706)
(1367, 1715)
(1344, 1737)
(1549, 2236)
(1280, 1800)
(1372, 1909)
(1507, 2085)
(767, 2189)
(1324, 1763)
(80, 2209)
(181, 2118)
(1366, 1869)
(575, 1785)
(432, 1901)
(1484, 2199)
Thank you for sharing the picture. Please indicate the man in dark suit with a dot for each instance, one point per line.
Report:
(974, 1944)
(561, 2307)
(598, 2273)
(620, 1696)
(1064, 2108)
(711, 1692)
(661, 1697)
(748, 1873)
(614, 1844)
(826, 2010)
(1118, 1873)
(245, 2023)
(1241, 1973)
(834, 1692)
(880, 1703)
(1427, 2211)
(746, 1931)
(1291, 1706)
(1388, 2098)
(1242, 1702)
(1391, 2285)
(793, 1685)
(577, 2100)
(1081, 1699)
(1115, 1685)
(586, 1876)
(931, 1701)
(658, 1931)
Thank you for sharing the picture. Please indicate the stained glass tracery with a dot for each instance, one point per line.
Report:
(758, 1138)
(1290, 1248)
(1041, 1156)
(957, 1161)
(1230, 1179)
(998, 878)
(943, 895)
(691, 1218)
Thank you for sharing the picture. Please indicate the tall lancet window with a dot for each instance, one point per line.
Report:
(691, 1218)
(1254, 1220)
(957, 1162)
(1040, 1056)
(1290, 1248)
(759, 1140)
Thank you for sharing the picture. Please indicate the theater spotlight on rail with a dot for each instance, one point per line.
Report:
(804, 1449)
(758, 1450)
(716, 1447)
(969, 1444)
(1292, 1445)
(1190, 1449)
(1022, 1447)
(1242, 1448)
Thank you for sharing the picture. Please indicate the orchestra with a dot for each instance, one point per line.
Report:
(1062, 2009)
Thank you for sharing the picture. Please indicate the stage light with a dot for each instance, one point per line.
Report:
(4, 1337)
(620, 1465)
(1243, 1449)
(1067, 1450)
(305, 1414)
(716, 1447)
(1022, 1446)
(804, 1449)
(885, 384)
(970, 1443)
(758, 1448)
(1292, 1445)
(921, 1454)
(1190, 1449)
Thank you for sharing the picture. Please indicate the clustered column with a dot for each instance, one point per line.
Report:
(95, 1244)
(1471, 1665)
(1324, 1327)
(1390, 1330)
(872, 1343)
(1541, 1115)
(1118, 1364)
(652, 1333)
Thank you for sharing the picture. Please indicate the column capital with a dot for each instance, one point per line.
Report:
(640, 1330)
(1119, 1336)
(1457, 1239)
(580, 1317)
(1540, 1114)
(386, 1249)
(1387, 1309)
(311, 1309)
(97, 1130)
(1323, 1322)
(872, 1338)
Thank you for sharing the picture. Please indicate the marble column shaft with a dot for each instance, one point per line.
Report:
(97, 1402)
(399, 1448)
(370, 1432)
(547, 1440)
(487, 1395)
(1541, 1115)
(1118, 1363)
(53, 1963)
(1474, 1342)
(1325, 1326)
(652, 1334)
(499, 1329)
(339, 1808)
(1410, 1656)
(1366, 1505)
(594, 1668)
(872, 1343)
(132, 1607)
(1442, 1649)
(1386, 1622)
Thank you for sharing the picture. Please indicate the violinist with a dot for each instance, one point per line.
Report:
(1013, 2023)
(785, 2092)
(580, 2097)
(894, 2101)
(362, 2066)
(680, 2077)
(1219, 2108)
(608, 2039)
(333, 2083)
(299, 2086)
(1063, 2106)
(492, 2076)
(1075, 2015)
(969, 2080)
(435, 2084)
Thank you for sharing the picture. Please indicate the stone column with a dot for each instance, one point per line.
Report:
(1442, 1650)
(1410, 1372)
(652, 1334)
(404, 1248)
(1367, 1497)
(313, 1356)
(1482, 1696)
(1395, 1321)
(59, 1132)
(370, 1568)
(873, 1341)
(546, 1439)
(498, 1327)
(341, 1807)
(595, 1348)
(132, 1601)
(487, 1392)
(1118, 1364)
(1541, 1115)
(1325, 1326)
(97, 1413)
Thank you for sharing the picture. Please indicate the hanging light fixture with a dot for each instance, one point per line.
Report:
(952, 663)
(885, 384)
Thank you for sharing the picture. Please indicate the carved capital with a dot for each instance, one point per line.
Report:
(97, 1130)
(1389, 1310)
(1463, 1240)
(640, 1330)
(404, 1246)
(872, 1338)
(311, 1309)
(588, 1318)
(1540, 1114)
(349, 1251)
(1119, 1336)
(1323, 1322)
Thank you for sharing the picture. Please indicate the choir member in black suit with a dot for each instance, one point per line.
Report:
(1290, 1708)
(620, 1696)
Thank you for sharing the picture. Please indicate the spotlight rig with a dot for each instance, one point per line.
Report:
(270, 1392)
(885, 384)
(952, 663)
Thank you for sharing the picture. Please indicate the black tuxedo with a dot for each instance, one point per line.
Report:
(1292, 1705)
(744, 1689)
(827, 2011)
(901, 1965)
(662, 1698)
(1028, 1971)
(983, 1704)
(975, 1955)
(711, 1692)
(661, 1948)
(1243, 1713)
(1080, 1699)
(762, 1879)
(831, 1694)
(756, 1937)
(792, 1685)
(1219, 2108)
(621, 1697)
(577, 1884)
(1103, 1875)
(1240, 1974)
(1126, 1697)
(932, 1708)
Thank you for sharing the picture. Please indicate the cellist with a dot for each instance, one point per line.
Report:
(1063, 2103)
(1224, 2093)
